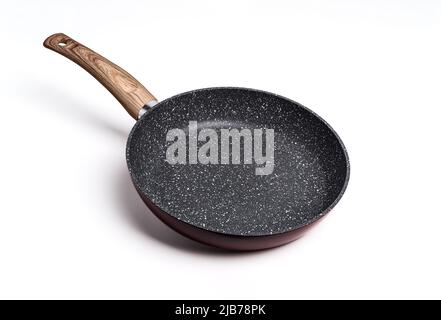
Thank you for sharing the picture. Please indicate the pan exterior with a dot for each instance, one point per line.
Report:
(229, 206)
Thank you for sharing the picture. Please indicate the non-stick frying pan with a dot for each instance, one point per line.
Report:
(225, 202)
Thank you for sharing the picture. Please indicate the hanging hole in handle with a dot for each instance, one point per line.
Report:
(62, 43)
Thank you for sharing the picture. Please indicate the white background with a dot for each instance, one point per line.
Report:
(71, 224)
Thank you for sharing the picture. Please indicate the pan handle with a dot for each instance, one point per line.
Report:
(125, 88)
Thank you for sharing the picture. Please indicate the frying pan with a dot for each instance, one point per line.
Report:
(225, 204)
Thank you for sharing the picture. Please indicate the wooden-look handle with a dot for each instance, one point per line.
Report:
(126, 89)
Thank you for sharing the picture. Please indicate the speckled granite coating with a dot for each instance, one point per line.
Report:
(310, 174)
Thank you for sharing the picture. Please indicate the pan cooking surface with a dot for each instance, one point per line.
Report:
(310, 164)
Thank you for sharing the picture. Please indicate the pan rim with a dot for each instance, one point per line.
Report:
(299, 226)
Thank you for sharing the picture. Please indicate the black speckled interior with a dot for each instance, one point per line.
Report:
(310, 173)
